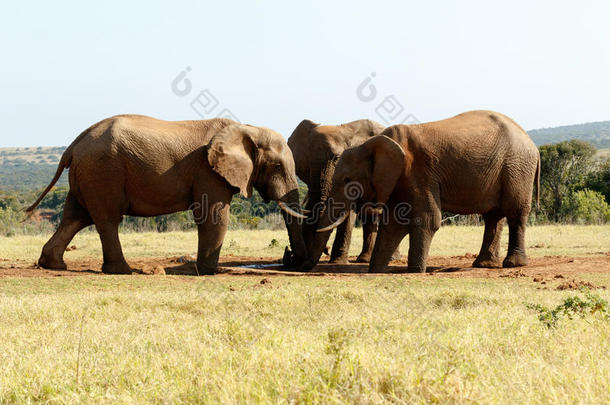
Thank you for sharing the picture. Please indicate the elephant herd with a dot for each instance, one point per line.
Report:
(397, 179)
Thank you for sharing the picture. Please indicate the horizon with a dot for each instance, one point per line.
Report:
(544, 65)
(527, 130)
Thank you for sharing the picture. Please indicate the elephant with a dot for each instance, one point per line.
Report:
(478, 162)
(142, 166)
(316, 149)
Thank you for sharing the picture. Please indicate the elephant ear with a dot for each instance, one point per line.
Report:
(388, 162)
(231, 154)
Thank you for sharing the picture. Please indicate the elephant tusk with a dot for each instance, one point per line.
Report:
(290, 211)
(336, 224)
(304, 211)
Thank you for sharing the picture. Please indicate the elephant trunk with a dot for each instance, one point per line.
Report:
(318, 198)
(333, 214)
(294, 227)
(317, 247)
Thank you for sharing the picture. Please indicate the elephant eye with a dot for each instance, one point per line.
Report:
(347, 180)
(278, 167)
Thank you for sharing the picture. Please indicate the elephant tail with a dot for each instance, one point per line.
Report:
(537, 183)
(60, 168)
(64, 163)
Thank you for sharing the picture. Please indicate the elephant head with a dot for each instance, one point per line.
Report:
(316, 149)
(254, 157)
(365, 174)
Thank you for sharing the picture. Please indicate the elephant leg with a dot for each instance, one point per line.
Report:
(369, 233)
(74, 218)
(516, 241)
(343, 237)
(114, 261)
(489, 256)
(421, 233)
(370, 227)
(396, 255)
(211, 233)
(388, 239)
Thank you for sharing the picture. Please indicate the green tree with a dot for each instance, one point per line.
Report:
(564, 169)
(599, 179)
(586, 206)
(55, 199)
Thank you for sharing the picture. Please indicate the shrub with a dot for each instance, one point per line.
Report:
(572, 306)
(586, 207)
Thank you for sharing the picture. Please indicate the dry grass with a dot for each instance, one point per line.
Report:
(569, 240)
(603, 153)
(231, 339)
(303, 340)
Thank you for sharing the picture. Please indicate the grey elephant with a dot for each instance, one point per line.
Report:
(316, 149)
(141, 166)
(477, 162)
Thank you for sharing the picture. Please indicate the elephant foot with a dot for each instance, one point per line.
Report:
(116, 268)
(307, 266)
(363, 258)
(395, 256)
(486, 263)
(339, 260)
(51, 264)
(290, 261)
(203, 270)
(378, 269)
(515, 261)
(416, 269)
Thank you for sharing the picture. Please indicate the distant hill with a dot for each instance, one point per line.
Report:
(598, 133)
(29, 168)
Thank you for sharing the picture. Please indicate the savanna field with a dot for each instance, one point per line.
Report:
(455, 335)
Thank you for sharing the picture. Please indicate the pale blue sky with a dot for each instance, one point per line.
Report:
(66, 65)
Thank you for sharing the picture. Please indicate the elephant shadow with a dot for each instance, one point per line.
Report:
(272, 267)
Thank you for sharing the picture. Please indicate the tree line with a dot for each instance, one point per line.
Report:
(575, 188)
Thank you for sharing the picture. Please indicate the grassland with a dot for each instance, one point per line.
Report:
(603, 153)
(548, 240)
(231, 339)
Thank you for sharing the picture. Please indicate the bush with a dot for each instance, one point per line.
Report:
(10, 224)
(599, 179)
(564, 168)
(586, 207)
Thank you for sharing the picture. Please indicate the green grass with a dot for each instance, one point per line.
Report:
(295, 340)
(572, 240)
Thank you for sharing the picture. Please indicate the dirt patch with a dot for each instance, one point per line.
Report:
(514, 273)
(540, 269)
(577, 285)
